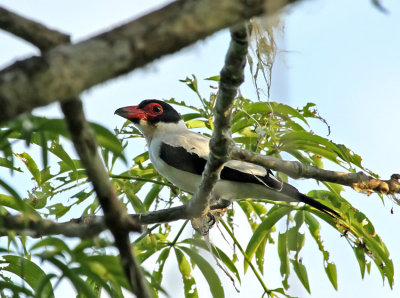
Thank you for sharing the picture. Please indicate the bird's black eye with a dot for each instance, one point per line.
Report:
(157, 109)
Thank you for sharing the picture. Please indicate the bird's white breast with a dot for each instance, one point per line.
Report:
(184, 180)
(199, 144)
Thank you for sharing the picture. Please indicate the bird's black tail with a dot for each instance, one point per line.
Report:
(294, 193)
(317, 205)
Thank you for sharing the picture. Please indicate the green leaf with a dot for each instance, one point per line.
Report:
(38, 197)
(242, 123)
(136, 203)
(260, 252)
(328, 197)
(191, 83)
(273, 216)
(28, 271)
(14, 203)
(250, 213)
(143, 256)
(283, 109)
(260, 209)
(31, 165)
(380, 254)
(359, 252)
(257, 107)
(182, 103)
(108, 140)
(306, 110)
(211, 276)
(214, 78)
(7, 163)
(314, 228)
(82, 196)
(301, 273)
(58, 209)
(56, 126)
(105, 138)
(195, 123)
(152, 195)
(57, 243)
(152, 241)
(16, 289)
(42, 287)
(217, 253)
(227, 261)
(295, 239)
(334, 188)
(157, 273)
(43, 144)
(59, 151)
(330, 270)
(283, 256)
(104, 269)
(80, 285)
(141, 158)
(97, 285)
(189, 283)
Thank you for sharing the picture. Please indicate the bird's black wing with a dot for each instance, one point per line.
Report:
(182, 159)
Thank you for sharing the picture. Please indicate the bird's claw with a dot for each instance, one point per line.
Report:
(204, 223)
(211, 219)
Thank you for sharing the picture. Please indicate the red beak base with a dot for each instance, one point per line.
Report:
(132, 113)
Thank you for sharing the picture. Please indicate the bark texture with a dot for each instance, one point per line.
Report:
(67, 70)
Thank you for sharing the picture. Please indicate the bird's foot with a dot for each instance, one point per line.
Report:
(204, 223)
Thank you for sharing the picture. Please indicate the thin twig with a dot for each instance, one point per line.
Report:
(258, 276)
(127, 177)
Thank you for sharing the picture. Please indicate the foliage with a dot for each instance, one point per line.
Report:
(271, 128)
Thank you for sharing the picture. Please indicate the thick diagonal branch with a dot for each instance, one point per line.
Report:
(67, 70)
(221, 142)
(31, 31)
(116, 217)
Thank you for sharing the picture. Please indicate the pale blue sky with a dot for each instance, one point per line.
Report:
(342, 55)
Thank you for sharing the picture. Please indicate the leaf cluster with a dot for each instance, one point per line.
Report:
(62, 190)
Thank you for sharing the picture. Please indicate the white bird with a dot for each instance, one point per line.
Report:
(180, 155)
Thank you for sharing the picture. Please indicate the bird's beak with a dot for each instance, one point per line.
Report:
(131, 113)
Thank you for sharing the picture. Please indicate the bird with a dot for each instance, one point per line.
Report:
(180, 155)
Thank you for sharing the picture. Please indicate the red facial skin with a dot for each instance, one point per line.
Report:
(135, 113)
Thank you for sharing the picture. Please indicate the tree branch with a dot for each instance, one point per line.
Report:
(31, 31)
(221, 142)
(87, 226)
(358, 181)
(36, 227)
(116, 217)
(67, 70)
(92, 225)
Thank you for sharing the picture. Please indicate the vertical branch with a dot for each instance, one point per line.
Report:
(221, 142)
(116, 217)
